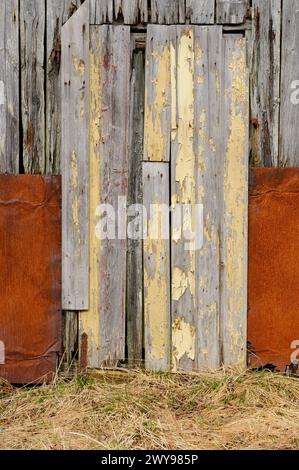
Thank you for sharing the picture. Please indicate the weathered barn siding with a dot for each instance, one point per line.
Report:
(9, 88)
(289, 110)
(134, 301)
(75, 165)
(150, 124)
(233, 239)
(265, 82)
(104, 322)
(156, 254)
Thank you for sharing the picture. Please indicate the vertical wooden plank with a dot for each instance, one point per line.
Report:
(58, 12)
(183, 196)
(289, 108)
(200, 11)
(157, 94)
(75, 113)
(104, 323)
(9, 87)
(156, 266)
(101, 11)
(232, 11)
(265, 82)
(235, 103)
(143, 11)
(208, 148)
(134, 308)
(32, 31)
(129, 10)
(167, 11)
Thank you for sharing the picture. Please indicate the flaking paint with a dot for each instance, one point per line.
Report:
(183, 341)
(235, 201)
(183, 280)
(90, 320)
(157, 103)
(156, 302)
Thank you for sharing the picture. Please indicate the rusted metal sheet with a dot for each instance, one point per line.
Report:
(273, 319)
(30, 277)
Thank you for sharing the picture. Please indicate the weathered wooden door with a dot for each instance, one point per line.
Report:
(152, 299)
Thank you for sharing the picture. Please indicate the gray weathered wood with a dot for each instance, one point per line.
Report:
(183, 197)
(9, 87)
(265, 82)
(235, 111)
(156, 267)
(157, 94)
(104, 323)
(128, 10)
(69, 339)
(208, 145)
(289, 109)
(101, 11)
(134, 308)
(32, 36)
(200, 11)
(58, 12)
(143, 11)
(75, 156)
(167, 11)
(232, 11)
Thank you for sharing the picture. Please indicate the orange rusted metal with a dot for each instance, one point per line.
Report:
(30, 277)
(273, 317)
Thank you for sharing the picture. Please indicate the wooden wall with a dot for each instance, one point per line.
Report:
(31, 90)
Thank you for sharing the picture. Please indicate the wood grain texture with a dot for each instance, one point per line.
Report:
(58, 12)
(157, 94)
(156, 267)
(265, 82)
(9, 87)
(69, 339)
(32, 36)
(101, 11)
(134, 308)
(289, 108)
(75, 166)
(104, 323)
(208, 145)
(235, 107)
(183, 197)
(200, 11)
(231, 11)
(167, 11)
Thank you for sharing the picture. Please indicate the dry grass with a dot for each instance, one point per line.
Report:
(226, 410)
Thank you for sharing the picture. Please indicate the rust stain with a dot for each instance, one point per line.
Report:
(30, 277)
(273, 318)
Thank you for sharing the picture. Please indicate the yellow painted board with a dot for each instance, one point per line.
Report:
(104, 322)
(156, 257)
(234, 233)
(157, 94)
(183, 195)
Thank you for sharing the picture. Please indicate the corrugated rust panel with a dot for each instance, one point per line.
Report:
(30, 277)
(273, 319)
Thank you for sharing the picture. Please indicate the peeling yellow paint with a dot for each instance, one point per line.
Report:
(79, 65)
(157, 108)
(173, 66)
(156, 297)
(183, 341)
(90, 320)
(76, 202)
(183, 280)
(235, 184)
